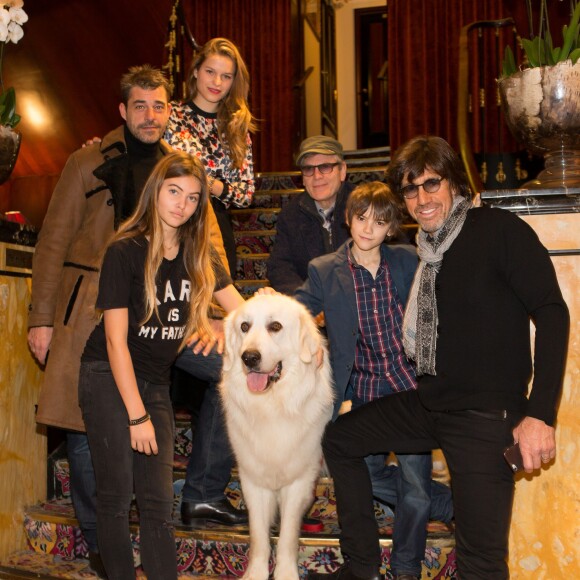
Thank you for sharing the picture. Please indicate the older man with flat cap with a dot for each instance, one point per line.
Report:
(313, 224)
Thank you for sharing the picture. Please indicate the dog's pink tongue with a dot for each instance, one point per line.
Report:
(257, 381)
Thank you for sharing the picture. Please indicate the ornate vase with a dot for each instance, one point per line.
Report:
(9, 148)
(542, 109)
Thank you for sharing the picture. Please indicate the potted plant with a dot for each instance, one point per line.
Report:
(12, 17)
(541, 101)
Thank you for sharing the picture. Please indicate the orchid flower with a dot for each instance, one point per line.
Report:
(12, 17)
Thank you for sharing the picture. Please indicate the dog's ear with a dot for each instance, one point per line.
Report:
(231, 341)
(309, 338)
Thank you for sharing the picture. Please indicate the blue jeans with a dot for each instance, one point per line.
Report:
(83, 487)
(408, 488)
(385, 480)
(210, 465)
(119, 470)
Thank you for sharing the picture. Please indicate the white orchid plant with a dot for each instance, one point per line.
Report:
(12, 17)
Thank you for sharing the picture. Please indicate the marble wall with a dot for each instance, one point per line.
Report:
(22, 442)
(545, 532)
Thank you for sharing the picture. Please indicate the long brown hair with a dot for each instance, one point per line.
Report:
(234, 119)
(193, 234)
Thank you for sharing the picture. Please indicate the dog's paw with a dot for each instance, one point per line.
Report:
(256, 571)
(286, 571)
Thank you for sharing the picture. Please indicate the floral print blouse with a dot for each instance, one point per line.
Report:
(192, 130)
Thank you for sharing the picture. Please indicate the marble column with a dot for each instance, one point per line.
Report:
(22, 442)
(545, 531)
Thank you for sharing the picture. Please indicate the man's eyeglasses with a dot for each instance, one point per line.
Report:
(324, 168)
(431, 185)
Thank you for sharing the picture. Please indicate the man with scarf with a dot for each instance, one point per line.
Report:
(483, 274)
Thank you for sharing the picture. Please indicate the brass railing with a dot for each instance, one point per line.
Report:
(481, 130)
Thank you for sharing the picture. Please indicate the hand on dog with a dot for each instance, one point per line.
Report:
(143, 438)
(319, 319)
(268, 290)
(205, 343)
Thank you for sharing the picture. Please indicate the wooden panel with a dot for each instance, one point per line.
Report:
(22, 442)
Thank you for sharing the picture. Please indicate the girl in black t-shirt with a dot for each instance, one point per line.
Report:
(158, 277)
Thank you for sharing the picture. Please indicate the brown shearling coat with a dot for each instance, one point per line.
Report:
(65, 269)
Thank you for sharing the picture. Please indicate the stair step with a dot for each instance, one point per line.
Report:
(251, 267)
(370, 168)
(278, 180)
(384, 151)
(367, 162)
(254, 242)
(254, 219)
(29, 564)
(357, 171)
(62, 514)
(215, 550)
(274, 198)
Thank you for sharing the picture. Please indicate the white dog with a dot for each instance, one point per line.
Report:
(277, 401)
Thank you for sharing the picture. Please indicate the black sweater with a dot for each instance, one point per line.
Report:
(495, 277)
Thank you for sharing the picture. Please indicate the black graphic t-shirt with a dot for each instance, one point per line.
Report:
(154, 344)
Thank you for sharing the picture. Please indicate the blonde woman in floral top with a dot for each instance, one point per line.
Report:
(214, 124)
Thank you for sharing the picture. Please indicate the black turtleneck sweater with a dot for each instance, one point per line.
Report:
(141, 158)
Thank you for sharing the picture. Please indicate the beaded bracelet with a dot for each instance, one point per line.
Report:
(144, 419)
(211, 182)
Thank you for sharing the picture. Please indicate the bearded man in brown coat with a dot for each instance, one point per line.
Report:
(98, 189)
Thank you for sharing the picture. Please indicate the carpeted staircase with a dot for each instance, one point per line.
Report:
(56, 546)
(58, 550)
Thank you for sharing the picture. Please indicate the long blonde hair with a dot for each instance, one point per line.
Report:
(193, 234)
(234, 119)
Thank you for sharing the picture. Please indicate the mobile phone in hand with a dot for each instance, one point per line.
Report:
(513, 456)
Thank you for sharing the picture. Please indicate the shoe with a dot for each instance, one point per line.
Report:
(407, 577)
(221, 512)
(96, 564)
(343, 573)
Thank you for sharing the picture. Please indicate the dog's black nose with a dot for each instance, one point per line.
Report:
(251, 358)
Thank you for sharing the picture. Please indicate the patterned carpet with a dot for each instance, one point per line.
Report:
(59, 549)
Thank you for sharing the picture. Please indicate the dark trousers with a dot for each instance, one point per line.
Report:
(481, 480)
(416, 497)
(211, 461)
(119, 470)
(227, 231)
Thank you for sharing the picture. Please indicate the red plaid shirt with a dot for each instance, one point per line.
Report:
(380, 366)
